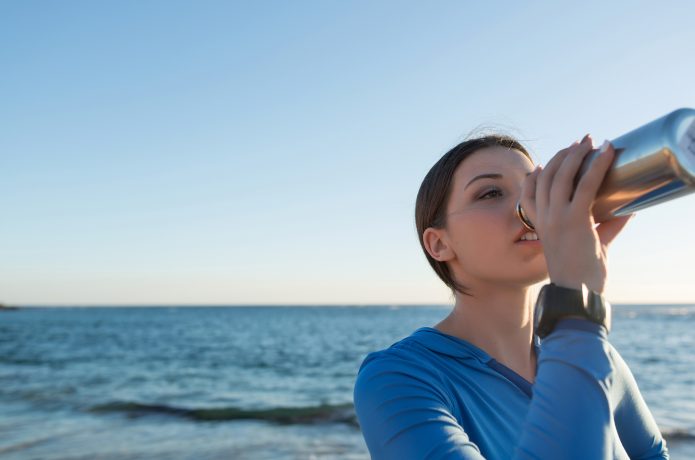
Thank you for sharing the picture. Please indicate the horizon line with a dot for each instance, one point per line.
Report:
(271, 305)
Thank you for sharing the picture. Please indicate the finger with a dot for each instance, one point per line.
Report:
(528, 194)
(608, 230)
(563, 182)
(545, 179)
(592, 178)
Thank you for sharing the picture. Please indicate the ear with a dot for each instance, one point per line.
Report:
(437, 245)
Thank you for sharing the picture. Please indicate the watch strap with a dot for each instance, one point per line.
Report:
(557, 302)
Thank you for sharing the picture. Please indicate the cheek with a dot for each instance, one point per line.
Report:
(481, 233)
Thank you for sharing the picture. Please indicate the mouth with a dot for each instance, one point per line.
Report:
(527, 237)
(529, 242)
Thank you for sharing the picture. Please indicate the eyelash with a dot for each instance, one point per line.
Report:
(488, 192)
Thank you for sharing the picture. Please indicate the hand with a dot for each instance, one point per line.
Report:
(575, 251)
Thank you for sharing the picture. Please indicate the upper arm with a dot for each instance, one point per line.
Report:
(402, 415)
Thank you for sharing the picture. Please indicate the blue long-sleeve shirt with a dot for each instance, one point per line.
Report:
(435, 396)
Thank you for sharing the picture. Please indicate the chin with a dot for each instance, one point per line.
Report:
(540, 275)
(535, 275)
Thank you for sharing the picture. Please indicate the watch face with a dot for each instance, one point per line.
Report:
(599, 309)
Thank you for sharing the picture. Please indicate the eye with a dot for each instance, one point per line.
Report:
(491, 193)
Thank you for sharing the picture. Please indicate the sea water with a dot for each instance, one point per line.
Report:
(253, 382)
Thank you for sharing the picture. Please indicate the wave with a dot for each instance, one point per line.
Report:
(632, 311)
(325, 413)
(678, 434)
(23, 361)
(26, 444)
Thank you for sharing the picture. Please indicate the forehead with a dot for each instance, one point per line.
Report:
(501, 160)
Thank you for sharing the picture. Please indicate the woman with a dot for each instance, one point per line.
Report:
(480, 383)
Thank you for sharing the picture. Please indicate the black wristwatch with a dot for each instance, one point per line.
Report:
(557, 302)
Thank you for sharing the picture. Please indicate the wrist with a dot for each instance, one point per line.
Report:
(596, 286)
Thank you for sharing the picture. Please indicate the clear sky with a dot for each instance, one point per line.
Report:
(170, 152)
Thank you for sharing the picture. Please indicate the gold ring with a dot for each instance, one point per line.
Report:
(523, 218)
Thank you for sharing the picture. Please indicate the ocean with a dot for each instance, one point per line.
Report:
(253, 382)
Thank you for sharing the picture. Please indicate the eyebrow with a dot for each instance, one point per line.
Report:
(487, 176)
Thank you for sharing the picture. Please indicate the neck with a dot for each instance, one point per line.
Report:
(499, 320)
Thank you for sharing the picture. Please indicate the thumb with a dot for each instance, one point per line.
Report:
(608, 230)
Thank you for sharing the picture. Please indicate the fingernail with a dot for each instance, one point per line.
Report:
(604, 146)
(586, 137)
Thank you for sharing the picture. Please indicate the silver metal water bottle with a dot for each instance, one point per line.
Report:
(652, 164)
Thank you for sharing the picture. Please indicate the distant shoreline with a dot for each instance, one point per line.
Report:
(245, 306)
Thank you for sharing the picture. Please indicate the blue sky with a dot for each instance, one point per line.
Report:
(164, 152)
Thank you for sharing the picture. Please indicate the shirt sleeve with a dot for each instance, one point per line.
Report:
(583, 397)
(403, 416)
(636, 426)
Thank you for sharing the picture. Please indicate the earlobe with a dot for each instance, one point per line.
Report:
(436, 244)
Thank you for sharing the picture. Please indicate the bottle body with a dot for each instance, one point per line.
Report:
(653, 164)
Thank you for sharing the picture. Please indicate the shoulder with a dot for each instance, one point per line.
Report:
(402, 404)
(406, 366)
(406, 355)
(404, 352)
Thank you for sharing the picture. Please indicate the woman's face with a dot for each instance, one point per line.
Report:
(482, 226)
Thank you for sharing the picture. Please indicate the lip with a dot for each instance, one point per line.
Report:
(529, 242)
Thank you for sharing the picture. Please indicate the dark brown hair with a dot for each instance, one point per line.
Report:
(433, 196)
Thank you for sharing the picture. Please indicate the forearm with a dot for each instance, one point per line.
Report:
(570, 413)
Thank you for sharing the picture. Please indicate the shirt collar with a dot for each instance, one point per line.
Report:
(446, 344)
(437, 341)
